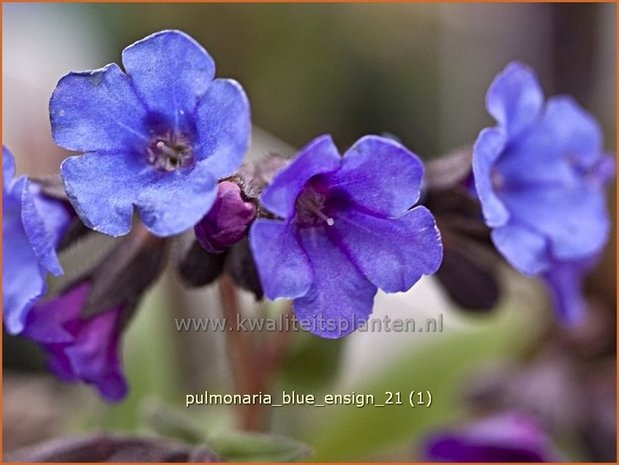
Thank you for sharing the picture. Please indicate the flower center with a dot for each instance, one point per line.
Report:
(310, 208)
(170, 153)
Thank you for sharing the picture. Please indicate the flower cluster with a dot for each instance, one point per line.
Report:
(167, 139)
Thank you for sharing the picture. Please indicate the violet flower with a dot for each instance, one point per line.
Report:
(345, 228)
(157, 136)
(541, 175)
(80, 348)
(32, 226)
(508, 437)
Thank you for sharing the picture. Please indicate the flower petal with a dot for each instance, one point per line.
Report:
(340, 298)
(94, 355)
(170, 71)
(515, 98)
(170, 203)
(97, 110)
(380, 175)
(319, 156)
(44, 220)
(8, 168)
(282, 264)
(117, 183)
(23, 280)
(526, 250)
(576, 133)
(392, 253)
(223, 127)
(565, 281)
(47, 319)
(487, 150)
(573, 218)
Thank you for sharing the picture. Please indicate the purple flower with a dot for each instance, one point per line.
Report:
(32, 226)
(157, 137)
(345, 228)
(80, 348)
(227, 221)
(509, 437)
(540, 175)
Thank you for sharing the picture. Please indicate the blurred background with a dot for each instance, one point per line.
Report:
(417, 72)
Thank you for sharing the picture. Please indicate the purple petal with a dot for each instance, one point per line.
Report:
(340, 298)
(282, 264)
(94, 355)
(526, 250)
(487, 150)
(319, 156)
(223, 127)
(392, 253)
(47, 320)
(97, 110)
(503, 438)
(380, 175)
(168, 202)
(170, 71)
(515, 98)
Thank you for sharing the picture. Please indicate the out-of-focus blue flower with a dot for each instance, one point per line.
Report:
(32, 226)
(157, 136)
(540, 175)
(508, 437)
(227, 221)
(79, 348)
(345, 228)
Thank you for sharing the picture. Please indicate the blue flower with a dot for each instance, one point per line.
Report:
(79, 348)
(345, 228)
(540, 175)
(507, 437)
(157, 137)
(32, 226)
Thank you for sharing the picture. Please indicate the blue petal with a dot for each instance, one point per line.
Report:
(223, 127)
(170, 71)
(340, 298)
(23, 280)
(8, 168)
(169, 202)
(319, 156)
(487, 150)
(97, 110)
(392, 253)
(526, 250)
(576, 133)
(515, 98)
(44, 223)
(380, 175)
(282, 264)
(574, 218)
(565, 281)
